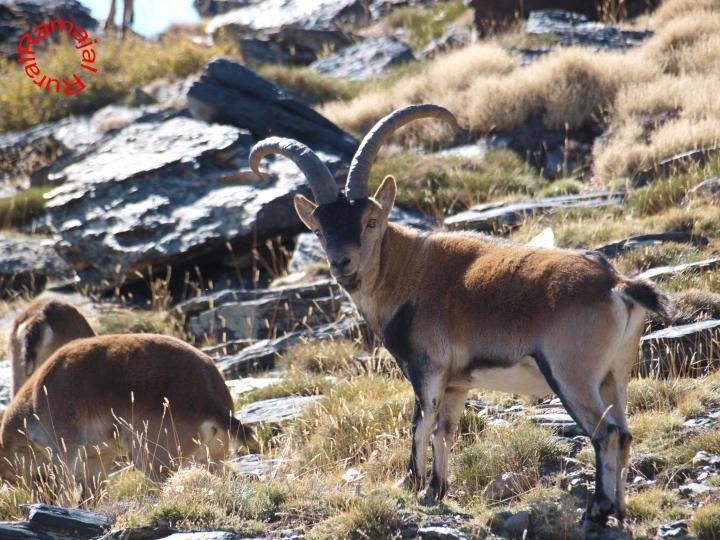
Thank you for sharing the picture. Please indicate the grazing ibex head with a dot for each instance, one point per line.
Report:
(350, 224)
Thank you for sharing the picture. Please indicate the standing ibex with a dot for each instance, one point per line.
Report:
(463, 310)
(150, 398)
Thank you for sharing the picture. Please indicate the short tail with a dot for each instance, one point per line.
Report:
(646, 294)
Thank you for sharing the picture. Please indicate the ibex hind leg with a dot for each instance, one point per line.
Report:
(580, 394)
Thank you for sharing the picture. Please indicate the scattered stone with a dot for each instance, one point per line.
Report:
(505, 486)
(208, 535)
(369, 58)
(254, 466)
(694, 489)
(706, 459)
(569, 28)
(706, 264)
(276, 411)
(689, 349)
(28, 263)
(20, 16)
(352, 476)
(242, 386)
(499, 215)
(674, 165)
(711, 187)
(517, 524)
(677, 529)
(455, 37)
(620, 247)
(439, 533)
(694, 423)
(5, 383)
(301, 31)
(545, 239)
(561, 422)
(230, 93)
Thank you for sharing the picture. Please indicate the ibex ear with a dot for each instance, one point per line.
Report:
(304, 208)
(385, 194)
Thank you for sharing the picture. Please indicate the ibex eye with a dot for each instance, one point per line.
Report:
(371, 224)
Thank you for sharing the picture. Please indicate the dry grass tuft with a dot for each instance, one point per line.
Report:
(657, 100)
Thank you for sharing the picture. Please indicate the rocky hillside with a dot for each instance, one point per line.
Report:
(596, 129)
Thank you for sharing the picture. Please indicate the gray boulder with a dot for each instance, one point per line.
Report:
(277, 410)
(454, 37)
(210, 8)
(28, 263)
(279, 310)
(230, 93)
(302, 30)
(159, 193)
(369, 58)
(570, 28)
(35, 155)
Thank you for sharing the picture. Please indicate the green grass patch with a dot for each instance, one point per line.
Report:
(520, 448)
(706, 522)
(310, 84)
(564, 186)
(654, 505)
(21, 209)
(439, 185)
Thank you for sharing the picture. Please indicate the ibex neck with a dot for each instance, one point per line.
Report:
(394, 276)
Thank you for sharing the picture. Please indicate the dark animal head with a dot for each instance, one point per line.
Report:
(349, 224)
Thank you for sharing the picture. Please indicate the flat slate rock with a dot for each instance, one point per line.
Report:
(276, 411)
(64, 522)
(658, 271)
(28, 263)
(230, 93)
(569, 28)
(207, 535)
(619, 247)
(491, 216)
(262, 354)
(369, 58)
(440, 532)
(674, 164)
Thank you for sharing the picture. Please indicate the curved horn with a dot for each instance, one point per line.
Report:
(321, 180)
(357, 182)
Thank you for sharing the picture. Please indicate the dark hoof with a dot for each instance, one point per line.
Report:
(599, 511)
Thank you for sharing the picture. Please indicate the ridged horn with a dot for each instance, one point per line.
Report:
(321, 181)
(357, 181)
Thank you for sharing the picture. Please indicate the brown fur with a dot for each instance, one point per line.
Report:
(105, 397)
(44, 326)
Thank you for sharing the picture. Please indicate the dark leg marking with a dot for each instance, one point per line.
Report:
(412, 470)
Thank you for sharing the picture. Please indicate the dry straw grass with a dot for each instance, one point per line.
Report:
(675, 72)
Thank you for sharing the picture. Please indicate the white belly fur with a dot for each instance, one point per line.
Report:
(523, 378)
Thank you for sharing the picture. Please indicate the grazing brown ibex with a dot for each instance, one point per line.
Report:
(150, 398)
(464, 310)
(44, 326)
